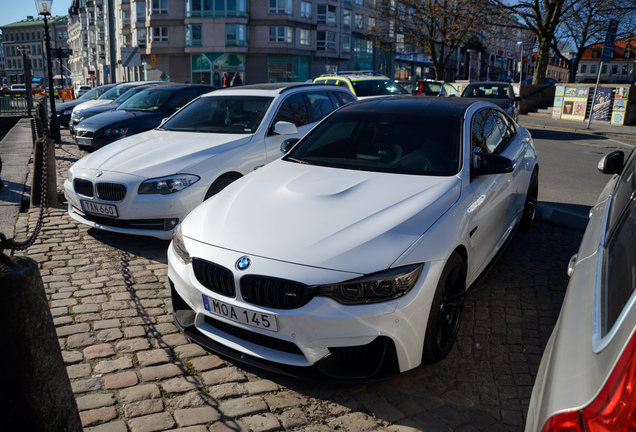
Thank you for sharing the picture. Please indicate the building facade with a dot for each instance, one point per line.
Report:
(24, 40)
(620, 69)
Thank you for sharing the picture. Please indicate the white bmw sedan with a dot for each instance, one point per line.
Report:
(350, 257)
(147, 183)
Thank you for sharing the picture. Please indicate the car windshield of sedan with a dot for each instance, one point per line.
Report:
(393, 142)
(221, 114)
(115, 92)
(149, 101)
(376, 87)
(487, 91)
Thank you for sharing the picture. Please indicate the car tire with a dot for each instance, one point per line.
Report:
(446, 310)
(218, 186)
(530, 207)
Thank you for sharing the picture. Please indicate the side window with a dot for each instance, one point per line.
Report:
(181, 99)
(320, 104)
(450, 90)
(342, 98)
(487, 132)
(508, 130)
(293, 110)
(478, 132)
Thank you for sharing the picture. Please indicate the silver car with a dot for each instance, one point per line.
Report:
(587, 376)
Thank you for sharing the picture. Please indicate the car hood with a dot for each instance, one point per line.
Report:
(92, 103)
(157, 153)
(66, 105)
(115, 117)
(346, 220)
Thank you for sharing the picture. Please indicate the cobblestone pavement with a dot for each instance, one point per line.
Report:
(131, 370)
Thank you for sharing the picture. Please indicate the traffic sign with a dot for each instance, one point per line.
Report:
(610, 38)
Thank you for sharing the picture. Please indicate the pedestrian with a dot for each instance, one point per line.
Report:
(236, 80)
(226, 80)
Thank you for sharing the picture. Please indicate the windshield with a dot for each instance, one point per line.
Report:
(221, 114)
(376, 87)
(130, 93)
(115, 92)
(487, 91)
(93, 93)
(148, 100)
(393, 142)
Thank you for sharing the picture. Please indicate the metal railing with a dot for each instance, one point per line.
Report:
(14, 105)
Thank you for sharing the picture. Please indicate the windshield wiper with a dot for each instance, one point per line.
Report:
(298, 161)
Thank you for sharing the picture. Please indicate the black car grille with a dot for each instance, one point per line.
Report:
(255, 338)
(111, 191)
(83, 187)
(214, 277)
(273, 292)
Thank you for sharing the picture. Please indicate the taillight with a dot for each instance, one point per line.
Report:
(614, 409)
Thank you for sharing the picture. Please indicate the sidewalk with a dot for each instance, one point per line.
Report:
(596, 128)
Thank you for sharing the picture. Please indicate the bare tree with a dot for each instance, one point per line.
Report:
(434, 27)
(586, 25)
(541, 17)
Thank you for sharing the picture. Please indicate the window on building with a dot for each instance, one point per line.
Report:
(140, 8)
(326, 15)
(359, 21)
(346, 43)
(280, 34)
(583, 68)
(280, 7)
(287, 69)
(626, 54)
(160, 7)
(593, 69)
(624, 69)
(326, 41)
(359, 2)
(160, 34)
(596, 54)
(305, 37)
(614, 69)
(193, 35)
(346, 18)
(235, 35)
(305, 9)
(604, 69)
(142, 37)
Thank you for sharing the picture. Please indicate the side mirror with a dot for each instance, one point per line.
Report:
(488, 163)
(285, 128)
(287, 145)
(612, 163)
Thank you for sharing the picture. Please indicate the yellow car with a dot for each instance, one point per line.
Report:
(363, 84)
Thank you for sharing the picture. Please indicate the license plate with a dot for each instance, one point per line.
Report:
(238, 314)
(99, 208)
(84, 141)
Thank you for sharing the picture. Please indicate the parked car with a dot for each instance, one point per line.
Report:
(110, 105)
(409, 85)
(500, 93)
(65, 109)
(160, 175)
(142, 112)
(435, 88)
(587, 373)
(81, 89)
(389, 210)
(363, 84)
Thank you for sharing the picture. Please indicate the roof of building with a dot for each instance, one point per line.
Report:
(36, 21)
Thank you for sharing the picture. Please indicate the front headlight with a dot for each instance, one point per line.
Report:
(116, 131)
(375, 288)
(179, 246)
(68, 112)
(167, 185)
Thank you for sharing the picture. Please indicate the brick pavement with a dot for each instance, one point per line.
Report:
(131, 370)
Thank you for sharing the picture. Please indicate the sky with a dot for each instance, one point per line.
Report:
(17, 10)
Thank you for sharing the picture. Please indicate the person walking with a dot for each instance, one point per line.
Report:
(236, 80)
(226, 80)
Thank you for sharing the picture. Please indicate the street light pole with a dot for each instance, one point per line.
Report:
(520, 60)
(44, 9)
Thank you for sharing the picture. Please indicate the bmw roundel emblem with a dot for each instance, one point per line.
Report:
(99, 173)
(243, 263)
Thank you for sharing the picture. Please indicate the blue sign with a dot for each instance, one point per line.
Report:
(610, 37)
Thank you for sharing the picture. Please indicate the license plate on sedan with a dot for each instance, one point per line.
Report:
(241, 315)
(84, 141)
(99, 208)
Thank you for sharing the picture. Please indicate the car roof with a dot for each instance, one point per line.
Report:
(356, 75)
(423, 105)
(489, 83)
(177, 87)
(265, 89)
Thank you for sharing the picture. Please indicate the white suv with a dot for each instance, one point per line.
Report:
(81, 89)
(147, 183)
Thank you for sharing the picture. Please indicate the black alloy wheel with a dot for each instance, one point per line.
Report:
(446, 311)
(530, 207)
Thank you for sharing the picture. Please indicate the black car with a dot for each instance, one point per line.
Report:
(65, 109)
(498, 92)
(125, 92)
(142, 112)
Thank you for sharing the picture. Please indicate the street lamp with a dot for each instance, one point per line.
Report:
(470, 58)
(520, 60)
(44, 9)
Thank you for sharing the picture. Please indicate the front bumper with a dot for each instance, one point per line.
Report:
(322, 340)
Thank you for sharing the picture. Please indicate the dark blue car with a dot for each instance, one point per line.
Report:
(142, 112)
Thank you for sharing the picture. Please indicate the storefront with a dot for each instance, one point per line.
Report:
(287, 68)
(208, 68)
